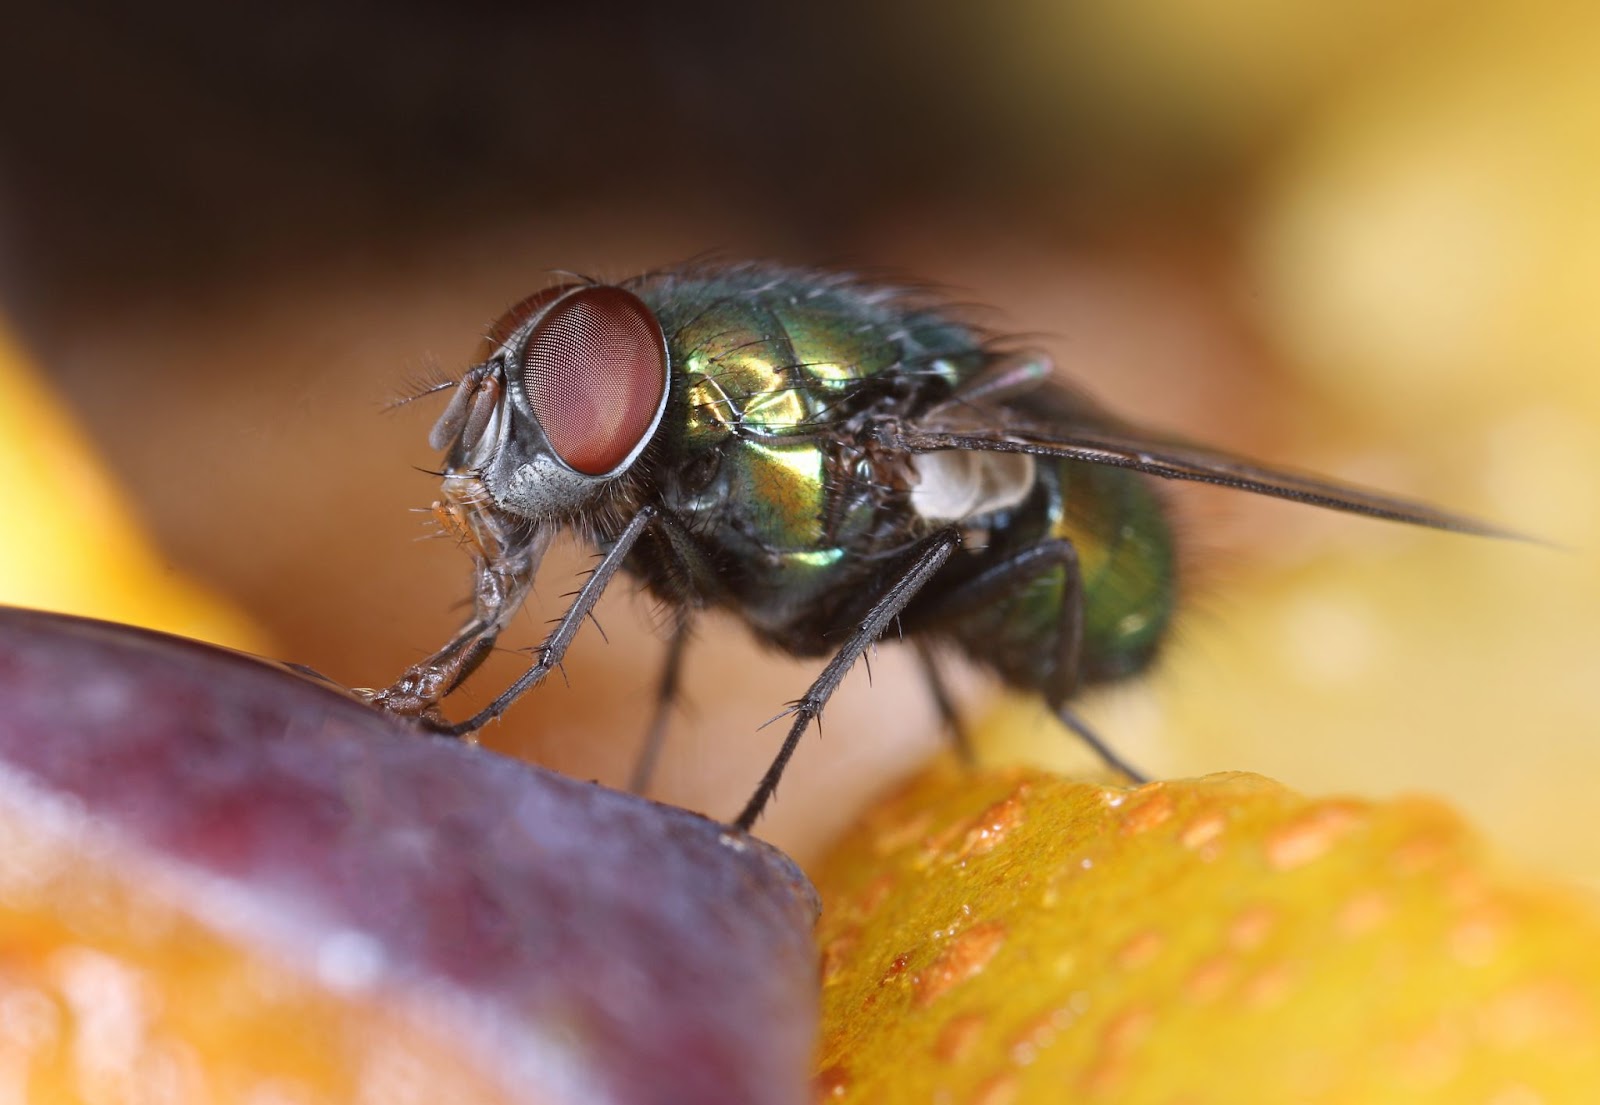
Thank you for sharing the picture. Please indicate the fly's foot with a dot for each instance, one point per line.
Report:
(415, 694)
(403, 700)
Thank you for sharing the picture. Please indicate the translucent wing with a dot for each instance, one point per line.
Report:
(1059, 423)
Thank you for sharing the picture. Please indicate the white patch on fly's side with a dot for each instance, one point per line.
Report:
(956, 484)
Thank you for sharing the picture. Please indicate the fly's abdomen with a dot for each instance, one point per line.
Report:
(1014, 613)
(1125, 553)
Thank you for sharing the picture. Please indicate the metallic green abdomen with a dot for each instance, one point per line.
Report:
(1125, 553)
(1117, 527)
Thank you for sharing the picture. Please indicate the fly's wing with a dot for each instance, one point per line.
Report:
(1062, 424)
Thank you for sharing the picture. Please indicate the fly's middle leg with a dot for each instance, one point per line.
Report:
(927, 558)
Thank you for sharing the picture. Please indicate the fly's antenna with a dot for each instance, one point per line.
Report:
(430, 381)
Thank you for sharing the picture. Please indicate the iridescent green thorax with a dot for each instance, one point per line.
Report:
(768, 367)
(772, 370)
(781, 356)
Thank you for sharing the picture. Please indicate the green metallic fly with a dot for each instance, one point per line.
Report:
(831, 460)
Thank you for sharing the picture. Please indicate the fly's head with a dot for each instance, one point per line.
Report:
(570, 391)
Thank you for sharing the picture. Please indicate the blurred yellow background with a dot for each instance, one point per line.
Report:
(1362, 240)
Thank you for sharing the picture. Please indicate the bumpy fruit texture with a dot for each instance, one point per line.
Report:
(1015, 937)
(70, 542)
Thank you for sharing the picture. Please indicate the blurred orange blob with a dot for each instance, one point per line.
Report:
(111, 990)
(71, 545)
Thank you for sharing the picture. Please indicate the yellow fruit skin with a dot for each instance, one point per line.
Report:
(71, 545)
(1016, 937)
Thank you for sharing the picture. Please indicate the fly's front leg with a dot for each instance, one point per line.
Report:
(549, 654)
(506, 557)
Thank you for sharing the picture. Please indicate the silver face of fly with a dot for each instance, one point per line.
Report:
(831, 461)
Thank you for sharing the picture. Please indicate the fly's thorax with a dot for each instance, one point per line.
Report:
(824, 331)
(779, 376)
(782, 496)
(749, 462)
(753, 381)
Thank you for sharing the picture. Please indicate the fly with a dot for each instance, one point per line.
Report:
(832, 461)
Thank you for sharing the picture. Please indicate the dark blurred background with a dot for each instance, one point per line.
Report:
(171, 147)
(229, 234)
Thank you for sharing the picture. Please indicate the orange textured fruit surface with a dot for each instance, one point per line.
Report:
(1016, 937)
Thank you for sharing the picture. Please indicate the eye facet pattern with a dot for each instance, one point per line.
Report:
(594, 373)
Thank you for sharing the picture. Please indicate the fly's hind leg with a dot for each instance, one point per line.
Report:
(1096, 742)
(930, 555)
(506, 557)
(946, 612)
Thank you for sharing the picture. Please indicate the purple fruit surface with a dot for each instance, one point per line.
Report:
(584, 945)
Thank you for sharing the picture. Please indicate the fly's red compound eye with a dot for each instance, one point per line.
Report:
(595, 373)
